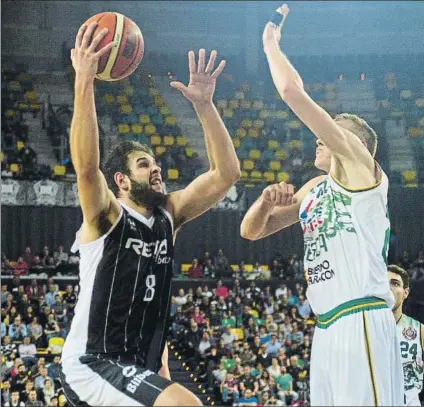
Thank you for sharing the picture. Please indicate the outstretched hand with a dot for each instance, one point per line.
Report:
(272, 33)
(202, 82)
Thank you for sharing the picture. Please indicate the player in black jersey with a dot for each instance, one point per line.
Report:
(115, 353)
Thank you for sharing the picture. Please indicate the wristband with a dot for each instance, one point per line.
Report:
(277, 18)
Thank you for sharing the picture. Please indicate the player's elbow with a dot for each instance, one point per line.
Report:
(291, 90)
(247, 233)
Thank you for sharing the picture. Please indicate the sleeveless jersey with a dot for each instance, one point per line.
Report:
(125, 279)
(412, 356)
(346, 239)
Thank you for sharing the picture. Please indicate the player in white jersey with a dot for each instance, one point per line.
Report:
(411, 337)
(355, 353)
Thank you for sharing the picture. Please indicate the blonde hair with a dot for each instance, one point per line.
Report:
(362, 129)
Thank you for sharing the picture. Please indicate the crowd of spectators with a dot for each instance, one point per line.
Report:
(251, 346)
(35, 319)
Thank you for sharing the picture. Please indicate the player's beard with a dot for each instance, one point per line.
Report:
(143, 195)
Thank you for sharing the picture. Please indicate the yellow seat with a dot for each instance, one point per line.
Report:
(244, 175)
(108, 99)
(155, 140)
(246, 104)
(15, 168)
(137, 129)
(273, 145)
(10, 113)
(181, 141)
(23, 107)
(31, 96)
(281, 114)
(246, 123)
(236, 142)
(144, 119)
(240, 133)
(56, 345)
(238, 332)
(269, 176)
(228, 113)
(123, 128)
(122, 99)
(258, 124)
(295, 145)
(160, 150)
(1, 156)
(410, 179)
(253, 133)
(405, 94)
(34, 107)
(59, 170)
(20, 145)
(283, 177)
(419, 102)
(185, 267)
(170, 120)
(159, 101)
(126, 109)
(173, 174)
(239, 95)
(165, 111)
(14, 85)
(234, 104)
(189, 152)
(150, 129)
(222, 104)
(294, 124)
(280, 155)
(264, 114)
(258, 104)
(129, 91)
(256, 176)
(248, 165)
(168, 140)
(153, 91)
(255, 154)
(414, 132)
(274, 165)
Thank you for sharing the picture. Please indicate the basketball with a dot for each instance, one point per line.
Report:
(122, 60)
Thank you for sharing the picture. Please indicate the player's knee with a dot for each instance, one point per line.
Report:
(176, 395)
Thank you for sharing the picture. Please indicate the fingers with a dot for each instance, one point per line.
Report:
(97, 39)
(178, 85)
(72, 53)
(287, 194)
(191, 63)
(80, 34)
(104, 50)
(219, 69)
(201, 63)
(88, 34)
(211, 62)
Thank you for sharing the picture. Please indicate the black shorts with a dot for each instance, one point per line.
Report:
(101, 381)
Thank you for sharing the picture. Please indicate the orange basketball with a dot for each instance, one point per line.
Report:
(123, 59)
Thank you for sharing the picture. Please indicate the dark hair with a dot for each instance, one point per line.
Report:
(117, 161)
(400, 272)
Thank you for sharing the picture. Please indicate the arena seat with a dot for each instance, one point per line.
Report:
(238, 332)
(173, 174)
(56, 345)
(283, 177)
(181, 141)
(168, 140)
(248, 165)
(144, 119)
(123, 128)
(59, 170)
(269, 176)
(160, 150)
(155, 140)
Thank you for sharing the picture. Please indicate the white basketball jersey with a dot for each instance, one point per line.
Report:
(412, 356)
(346, 239)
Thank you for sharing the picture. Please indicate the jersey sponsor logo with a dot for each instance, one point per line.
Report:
(326, 214)
(158, 249)
(409, 333)
(129, 371)
(320, 273)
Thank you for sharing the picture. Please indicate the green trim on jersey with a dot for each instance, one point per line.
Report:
(348, 308)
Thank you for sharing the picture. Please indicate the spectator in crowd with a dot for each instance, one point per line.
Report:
(273, 345)
(221, 290)
(15, 400)
(221, 262)
(28, 256)
(53, 370)
(40, 380)
(52, 329)
(60, 257)
(248, 399)
(284, 383)
(304, 307)
(50, 296)
(35, 331)
(247, 381)
(6, 393)
(60, 310)
(33, 400)
(34, 290)
(181, 298)
(209, 269)
(18, 330)
(18, 381)
(27, 352)
(21, 268)
(70, 299)
(229, 388)
(228, 337)
(196, 269)
(48, 390)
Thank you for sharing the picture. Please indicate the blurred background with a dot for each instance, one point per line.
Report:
(365, 58)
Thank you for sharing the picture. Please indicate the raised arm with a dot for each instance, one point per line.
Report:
(342, 143)
(276, 209)
(209, 188)
(94, 195)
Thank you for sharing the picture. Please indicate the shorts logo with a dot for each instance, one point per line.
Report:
(129, 371)
(409, 333)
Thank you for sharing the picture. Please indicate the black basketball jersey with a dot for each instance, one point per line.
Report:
(126, 277)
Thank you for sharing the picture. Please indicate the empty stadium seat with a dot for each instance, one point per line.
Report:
(228, 113)
(160, 150)
(136, 129)
(269, 176)
(283, 177)
(246, 123)
(170, 121)
(144, 119)
(189, 152)
(150, 129)
(273, 144)
(173, 174)
(222, 104)
(255, 154)
(238, 332)
(248, 165)
(240, 133)
(155, 140)
(126, 108)
(20, 145)
(280, 155)
(123, 128)
(236, 142)
(168, 140)
(244, 175)
(108, 99)
(181, 141)
(59, 170)
(122, 99)
(256, 176)
(274, 165)
(56, 345)
(15, 168)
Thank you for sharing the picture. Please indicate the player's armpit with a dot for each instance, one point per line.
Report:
(200, 195)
